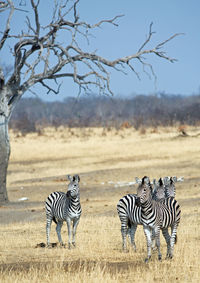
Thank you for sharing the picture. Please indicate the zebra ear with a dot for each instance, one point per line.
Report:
(146, 180)
(138, 181)
(69, 177)
(174, 179)
(166, 180)
(76, 178)
(153, 182)
(181, 179)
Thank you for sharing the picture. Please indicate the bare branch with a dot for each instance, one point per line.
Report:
(148, 38)
(167, 40)
(49, 88)
(3, 6)
(7, 28)
(35, 8)
(40, 57)
(76, 17)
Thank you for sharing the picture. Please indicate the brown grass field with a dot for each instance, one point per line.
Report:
(38, 166)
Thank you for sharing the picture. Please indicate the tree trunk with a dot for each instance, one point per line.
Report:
(4, 156)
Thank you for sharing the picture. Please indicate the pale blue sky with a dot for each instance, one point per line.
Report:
(168, 17)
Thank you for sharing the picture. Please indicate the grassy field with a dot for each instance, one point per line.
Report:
(103, 159)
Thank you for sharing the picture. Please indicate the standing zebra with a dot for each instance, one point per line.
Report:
(130, 216)
(157, 215)
(64, 207)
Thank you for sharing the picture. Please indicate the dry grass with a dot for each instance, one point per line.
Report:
(38, 166)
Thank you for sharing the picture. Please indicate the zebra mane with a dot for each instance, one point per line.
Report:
(144, 178)
(160, 181)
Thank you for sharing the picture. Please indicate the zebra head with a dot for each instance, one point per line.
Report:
(160, 190)
(73, 187)
(144, 190)
(170, 189)
(166, 180)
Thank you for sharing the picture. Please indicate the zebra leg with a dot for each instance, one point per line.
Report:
(58, 230)
(68, 220)
(148, 234)
(153, 246)
(75, 224)
(167, 239)
(124, 231)
(172, 240)
(48, 229)
(157, 237)
(132, 231)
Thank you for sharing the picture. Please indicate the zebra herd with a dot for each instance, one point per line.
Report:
(154, 206)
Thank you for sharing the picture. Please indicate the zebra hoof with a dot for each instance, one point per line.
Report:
(147, 259)
(168, 256)
(134, 247)
(74, 244)
(160, 258)
(62, 245)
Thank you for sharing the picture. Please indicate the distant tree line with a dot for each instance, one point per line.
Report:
(32, 114)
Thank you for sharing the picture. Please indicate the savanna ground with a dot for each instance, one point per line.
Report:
(102, 158)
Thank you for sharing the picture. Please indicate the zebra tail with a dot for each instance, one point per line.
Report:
(176, 239)
(54, 220)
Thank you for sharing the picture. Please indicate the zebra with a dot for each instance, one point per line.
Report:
(169, 182)
(130, 216)
(164, 188)
(61, 207)
(156, 215)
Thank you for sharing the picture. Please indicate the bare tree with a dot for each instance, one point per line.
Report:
(40, 58)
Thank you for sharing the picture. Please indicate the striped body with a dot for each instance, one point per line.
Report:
(158, 215)
(130, 216)
(163, 213)
(62, 207)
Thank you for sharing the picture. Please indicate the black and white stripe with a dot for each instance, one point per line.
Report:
(156, 215)
(169, 183)
(130, 213)
(130, 216)
(62, 207)
(158, 192)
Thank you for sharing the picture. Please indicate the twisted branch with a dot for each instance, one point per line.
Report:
(39, 56)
